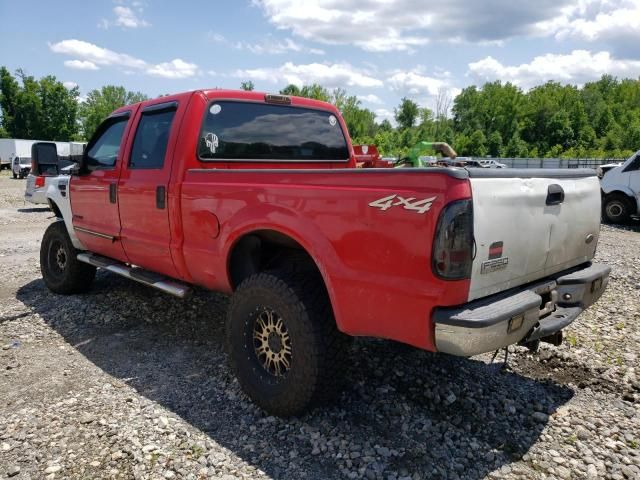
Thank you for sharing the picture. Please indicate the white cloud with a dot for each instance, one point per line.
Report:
(578, 67)
(413, 83)
(275, 47)
(615, 23)
(174, 69)
(268, 46)
(385, 114)
(87, 54)
(81, 65)
(69, 85)
(125, 18)
(371, 98)
(404, 25)
(327, 75)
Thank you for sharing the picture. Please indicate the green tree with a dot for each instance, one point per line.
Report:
(477, 145)
(494, 144)
(247, 86)
(291, 89)
(406, 113)
(100, 103)
(37, 109)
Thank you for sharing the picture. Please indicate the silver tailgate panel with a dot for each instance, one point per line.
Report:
(537, 239)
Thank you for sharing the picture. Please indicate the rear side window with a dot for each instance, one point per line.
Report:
(264, 132)
(152, 136)
(103, 150)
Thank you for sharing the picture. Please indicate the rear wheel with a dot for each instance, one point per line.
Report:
(617, 208)
(283, 343)
(15, 175)
(62, 272)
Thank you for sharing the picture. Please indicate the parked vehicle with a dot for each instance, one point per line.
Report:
(491, 163)
(621, 191)
(603, 169)
(259, 196)
(20, 167)
(37, 185)
(472, 163)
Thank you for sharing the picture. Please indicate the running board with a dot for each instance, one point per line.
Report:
(138, 274)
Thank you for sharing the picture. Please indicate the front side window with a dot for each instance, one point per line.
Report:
(102, 151)
(152, 136)
(265, 132)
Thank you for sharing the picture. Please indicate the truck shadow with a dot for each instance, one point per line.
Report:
(403, 410)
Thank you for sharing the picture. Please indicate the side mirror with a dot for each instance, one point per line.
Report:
(44, 159)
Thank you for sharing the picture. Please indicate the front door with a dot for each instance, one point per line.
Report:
(94, 200)
(143, 189)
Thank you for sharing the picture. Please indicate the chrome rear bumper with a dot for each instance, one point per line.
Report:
(527, 313)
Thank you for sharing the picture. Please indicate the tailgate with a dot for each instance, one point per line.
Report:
(529, 224)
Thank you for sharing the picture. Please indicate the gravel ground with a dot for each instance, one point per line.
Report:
(126, 382)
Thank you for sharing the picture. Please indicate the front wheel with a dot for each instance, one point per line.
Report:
(62, 272)
(617, 208)
(283, 343)
(15, 175)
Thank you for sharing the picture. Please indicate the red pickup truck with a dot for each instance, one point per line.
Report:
(258, 196)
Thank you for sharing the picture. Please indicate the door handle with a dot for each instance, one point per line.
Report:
(112, 192)
(555, 194)
(161, 195)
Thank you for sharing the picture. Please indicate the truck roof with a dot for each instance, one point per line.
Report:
(219, 93)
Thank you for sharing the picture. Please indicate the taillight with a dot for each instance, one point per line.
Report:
(452, 254)
(39, 181)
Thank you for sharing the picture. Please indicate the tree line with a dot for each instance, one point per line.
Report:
(599, 119)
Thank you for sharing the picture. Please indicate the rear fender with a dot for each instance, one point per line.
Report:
(303, 231)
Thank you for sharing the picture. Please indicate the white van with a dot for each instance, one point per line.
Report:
(21, 166)
(621, 191)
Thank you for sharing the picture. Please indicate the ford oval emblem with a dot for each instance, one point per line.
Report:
(589, 238)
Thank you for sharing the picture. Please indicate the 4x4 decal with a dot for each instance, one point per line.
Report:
(420, 206)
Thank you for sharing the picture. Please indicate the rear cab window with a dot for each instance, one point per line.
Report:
(240, 131)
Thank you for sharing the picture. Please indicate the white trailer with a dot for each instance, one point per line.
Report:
(14, 147)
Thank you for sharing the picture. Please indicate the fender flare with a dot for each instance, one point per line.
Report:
(61, 206)
(624, 190)
(291, 224)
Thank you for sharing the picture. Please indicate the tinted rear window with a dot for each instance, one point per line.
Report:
(257, 131)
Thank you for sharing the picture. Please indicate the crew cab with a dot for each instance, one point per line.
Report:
(259, 196)
(621, 191)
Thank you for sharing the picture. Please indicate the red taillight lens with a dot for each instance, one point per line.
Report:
(39, 182)
(453, 244)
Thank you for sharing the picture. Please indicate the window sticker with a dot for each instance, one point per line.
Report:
(211, 139)
(332, 120)
(215, 109)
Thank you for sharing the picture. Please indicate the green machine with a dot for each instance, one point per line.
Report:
(412, 159)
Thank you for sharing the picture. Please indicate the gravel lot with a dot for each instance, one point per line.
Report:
(126, 382)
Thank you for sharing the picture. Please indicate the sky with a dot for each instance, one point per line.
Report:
(379, 50)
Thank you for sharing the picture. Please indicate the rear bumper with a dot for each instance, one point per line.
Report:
(527, 313)
(37, 196)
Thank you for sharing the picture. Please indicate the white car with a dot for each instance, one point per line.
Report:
(36, 190)
(20, 166)
(621, 191)
(492, 164)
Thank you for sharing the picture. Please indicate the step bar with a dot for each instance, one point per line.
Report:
(140, 275)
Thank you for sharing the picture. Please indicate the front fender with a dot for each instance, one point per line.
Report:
(57, 194)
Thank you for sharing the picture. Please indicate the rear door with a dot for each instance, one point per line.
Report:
(143, 188)
(529, 224)
(94, 200)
